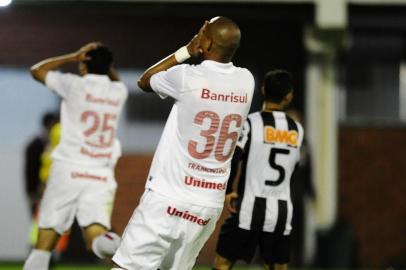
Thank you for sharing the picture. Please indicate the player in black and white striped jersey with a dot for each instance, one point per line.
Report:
(264, 161)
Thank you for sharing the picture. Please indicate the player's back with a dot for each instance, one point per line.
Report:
(272, 152)
(193, 157)
(90, 111)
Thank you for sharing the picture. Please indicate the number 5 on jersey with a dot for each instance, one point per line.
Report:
(275, 166)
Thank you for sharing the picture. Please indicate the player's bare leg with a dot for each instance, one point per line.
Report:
(99, 240)
(221, 263)
(41, 255)
(116, 267)
(47, 239)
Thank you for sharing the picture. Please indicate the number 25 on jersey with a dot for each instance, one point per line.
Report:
(101, 125)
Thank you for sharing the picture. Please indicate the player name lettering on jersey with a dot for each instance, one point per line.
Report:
(104, 101)
(203, 183)
(86, 175)
(198, 167)
(97, 145)
(207, 94)
(86, 152)
(272, 135)
(172, 211)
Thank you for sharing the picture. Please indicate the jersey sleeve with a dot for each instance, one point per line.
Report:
(60, 82)
(169, 82)
(245, 135)
(300, 138)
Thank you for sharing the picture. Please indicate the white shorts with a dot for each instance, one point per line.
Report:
(165, 234)
(76, 191)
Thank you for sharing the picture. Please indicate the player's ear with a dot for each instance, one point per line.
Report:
(207, 44)
(287, 99)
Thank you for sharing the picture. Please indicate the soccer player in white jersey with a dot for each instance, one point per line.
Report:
(266, 155)
(81, 182)
(186, 185)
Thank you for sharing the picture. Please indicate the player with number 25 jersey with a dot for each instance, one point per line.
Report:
(81, 183)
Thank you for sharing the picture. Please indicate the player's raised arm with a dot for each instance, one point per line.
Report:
(40, 70)
(192, 49)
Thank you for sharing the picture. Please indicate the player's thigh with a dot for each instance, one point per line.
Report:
(148, 235)
(196, 225)
(59, 202)
(95, 203)
(235, 243)
(275, 248)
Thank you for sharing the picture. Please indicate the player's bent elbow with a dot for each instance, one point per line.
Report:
(143, 83)
(37, 74)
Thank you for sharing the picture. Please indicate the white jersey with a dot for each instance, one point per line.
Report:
(192, 161)
(271, 143)
(90, 110)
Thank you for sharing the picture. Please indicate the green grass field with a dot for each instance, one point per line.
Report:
(79, 267)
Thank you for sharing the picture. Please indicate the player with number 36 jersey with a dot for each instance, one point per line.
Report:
(193, 157)
(188, 177)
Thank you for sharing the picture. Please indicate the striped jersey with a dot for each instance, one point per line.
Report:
(271, 144)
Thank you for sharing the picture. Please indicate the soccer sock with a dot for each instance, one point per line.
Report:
(38, 260)
(106, 245)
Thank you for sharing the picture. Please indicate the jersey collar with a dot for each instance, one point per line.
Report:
(97, 76)
(221, 67)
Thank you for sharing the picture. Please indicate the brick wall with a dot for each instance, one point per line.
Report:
(372, 187)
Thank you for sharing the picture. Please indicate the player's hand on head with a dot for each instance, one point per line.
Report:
(81, 53)
(194, 47)
(230, 202)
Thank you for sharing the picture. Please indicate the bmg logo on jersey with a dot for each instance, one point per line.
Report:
(272, 135)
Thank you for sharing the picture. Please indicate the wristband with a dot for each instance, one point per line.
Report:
(182, 54)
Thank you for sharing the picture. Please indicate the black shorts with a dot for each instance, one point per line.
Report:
(235, 244)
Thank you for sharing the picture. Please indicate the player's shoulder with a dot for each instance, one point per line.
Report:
(56, 74)
(180, 68)
(175, 72)
(296, 123)
(245, 72)
(120, 87)
(254, 116)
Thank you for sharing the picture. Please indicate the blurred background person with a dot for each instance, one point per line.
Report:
(32, 162)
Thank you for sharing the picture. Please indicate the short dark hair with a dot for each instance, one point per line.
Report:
(277, 84)
(100, 61)
(49, 119)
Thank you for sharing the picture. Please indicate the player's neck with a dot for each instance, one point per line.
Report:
(218, 58)
(270, 107)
